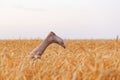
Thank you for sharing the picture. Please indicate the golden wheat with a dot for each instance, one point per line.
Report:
(81, 60)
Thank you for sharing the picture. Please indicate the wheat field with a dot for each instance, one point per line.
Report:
(81, 60)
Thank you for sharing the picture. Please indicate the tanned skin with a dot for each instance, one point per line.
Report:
(51, 38)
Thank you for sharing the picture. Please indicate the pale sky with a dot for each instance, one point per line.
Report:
(70, 19)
